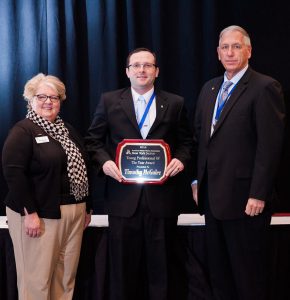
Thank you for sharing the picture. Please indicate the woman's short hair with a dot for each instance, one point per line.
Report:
(52, 81)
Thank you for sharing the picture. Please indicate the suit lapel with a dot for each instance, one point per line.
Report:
(212, 95)
(161, 107)
(127, 104)
(238, 91)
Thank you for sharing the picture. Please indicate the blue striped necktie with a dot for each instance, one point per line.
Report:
(225, 92)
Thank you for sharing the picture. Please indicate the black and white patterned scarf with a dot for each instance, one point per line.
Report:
(76, 167)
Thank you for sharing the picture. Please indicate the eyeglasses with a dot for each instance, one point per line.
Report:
(234, 47)
(146, 66)
(43, 98)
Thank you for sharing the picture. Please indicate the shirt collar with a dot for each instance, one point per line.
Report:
(237, 77)
(147, 95)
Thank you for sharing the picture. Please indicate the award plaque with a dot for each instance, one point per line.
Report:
(143, 161)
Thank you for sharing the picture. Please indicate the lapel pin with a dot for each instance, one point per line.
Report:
(212, 88)
(161, 106)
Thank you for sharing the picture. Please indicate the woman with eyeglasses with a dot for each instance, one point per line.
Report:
(47, 208)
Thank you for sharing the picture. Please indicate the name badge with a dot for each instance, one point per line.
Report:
(41, 139)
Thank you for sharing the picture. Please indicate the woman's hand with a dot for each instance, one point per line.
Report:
(88, 217)
(32, 224)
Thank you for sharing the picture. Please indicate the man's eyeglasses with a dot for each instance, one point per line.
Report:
(43, 98)
(146, 66)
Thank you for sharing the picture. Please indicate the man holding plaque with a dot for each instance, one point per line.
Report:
(142, 215)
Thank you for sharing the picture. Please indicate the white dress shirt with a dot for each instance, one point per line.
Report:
(234, 80)
(152, 111)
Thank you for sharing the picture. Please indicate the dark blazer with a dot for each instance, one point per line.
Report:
(114, 121)
(242, 154)
(33, 171)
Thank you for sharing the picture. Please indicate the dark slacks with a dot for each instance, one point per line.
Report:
(236, 251)
(140, 250)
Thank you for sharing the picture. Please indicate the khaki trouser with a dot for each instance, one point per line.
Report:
(46, 266)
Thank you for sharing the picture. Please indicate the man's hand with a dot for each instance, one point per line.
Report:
(111, 169)
(194, 192)
(32, 224)
(174, 167)
(254, 207)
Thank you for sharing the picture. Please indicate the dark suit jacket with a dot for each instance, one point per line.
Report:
(242, 155)
(114, 121)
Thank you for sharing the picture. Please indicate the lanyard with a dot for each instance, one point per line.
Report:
(146, 111)
(221, 107)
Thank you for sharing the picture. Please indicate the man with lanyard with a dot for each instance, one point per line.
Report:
(238, 128)
(142, 217)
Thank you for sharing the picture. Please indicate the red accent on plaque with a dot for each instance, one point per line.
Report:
(143, 161)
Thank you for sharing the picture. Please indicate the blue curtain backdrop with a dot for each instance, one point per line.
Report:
(85, 43)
